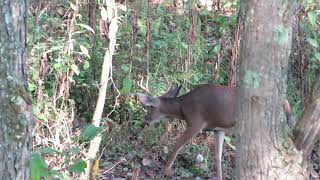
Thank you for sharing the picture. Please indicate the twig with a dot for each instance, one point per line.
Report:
(120, 161)
(118, 95)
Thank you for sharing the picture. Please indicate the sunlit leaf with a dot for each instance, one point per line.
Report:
(31, 87)
(313, 42)
(75, 69)
(124, 68)
(84, 50)
(86, 64)
(73, 7)
(317, 55)
(217, 48)
(57, 66)
(184, 45)
(74, 150)
(86, 27)
(228, 142)
(42, 117)
(312, 16)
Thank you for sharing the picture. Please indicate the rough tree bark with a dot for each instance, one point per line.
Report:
(264, 150)
(15, 107)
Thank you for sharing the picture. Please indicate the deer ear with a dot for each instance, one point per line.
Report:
(173, 91)
(148, 100)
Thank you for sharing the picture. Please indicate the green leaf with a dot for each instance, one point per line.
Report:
(75, 69)
(31, 87)
(38, 167)
(48, 150)
(312, 16)
(309, 2)
(228, 142)
(313, 42)
(42, 117)
(126, 85)
(86, 64)
(317, 55)
(78, 166)
(184, 45)
(90, 131)
(217, 48)
(74, 150)
(57, 66)
(124, 68)
(86, 27)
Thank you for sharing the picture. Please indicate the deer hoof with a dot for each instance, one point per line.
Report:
(168, 172)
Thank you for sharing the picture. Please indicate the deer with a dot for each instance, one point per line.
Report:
(207, 107)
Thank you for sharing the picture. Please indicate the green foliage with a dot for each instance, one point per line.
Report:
(78, 166)
(52, 53)
(126, 86)
(313, 42)
(49, 150)
(312, 18)
(59, 120)
(38, 167)
(227, 140)
(308, 33)
(90, 131)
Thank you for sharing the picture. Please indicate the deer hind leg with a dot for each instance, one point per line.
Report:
(187, 135)
(219, 138)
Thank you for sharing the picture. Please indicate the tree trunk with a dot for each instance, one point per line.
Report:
(264, 150)
(108, 27)
(15, 107)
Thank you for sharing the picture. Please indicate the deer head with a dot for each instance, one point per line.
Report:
(157, 109)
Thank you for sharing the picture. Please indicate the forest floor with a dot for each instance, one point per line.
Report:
(131, 152)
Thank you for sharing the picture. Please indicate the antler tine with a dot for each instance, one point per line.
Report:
(145, 88)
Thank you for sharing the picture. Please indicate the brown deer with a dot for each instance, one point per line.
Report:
(207, 107)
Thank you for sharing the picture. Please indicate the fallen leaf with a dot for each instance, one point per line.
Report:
(146, 162)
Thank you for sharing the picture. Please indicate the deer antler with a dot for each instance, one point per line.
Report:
(145, 88)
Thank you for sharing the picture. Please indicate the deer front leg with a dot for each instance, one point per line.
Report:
(219, 137)
(187, 135)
